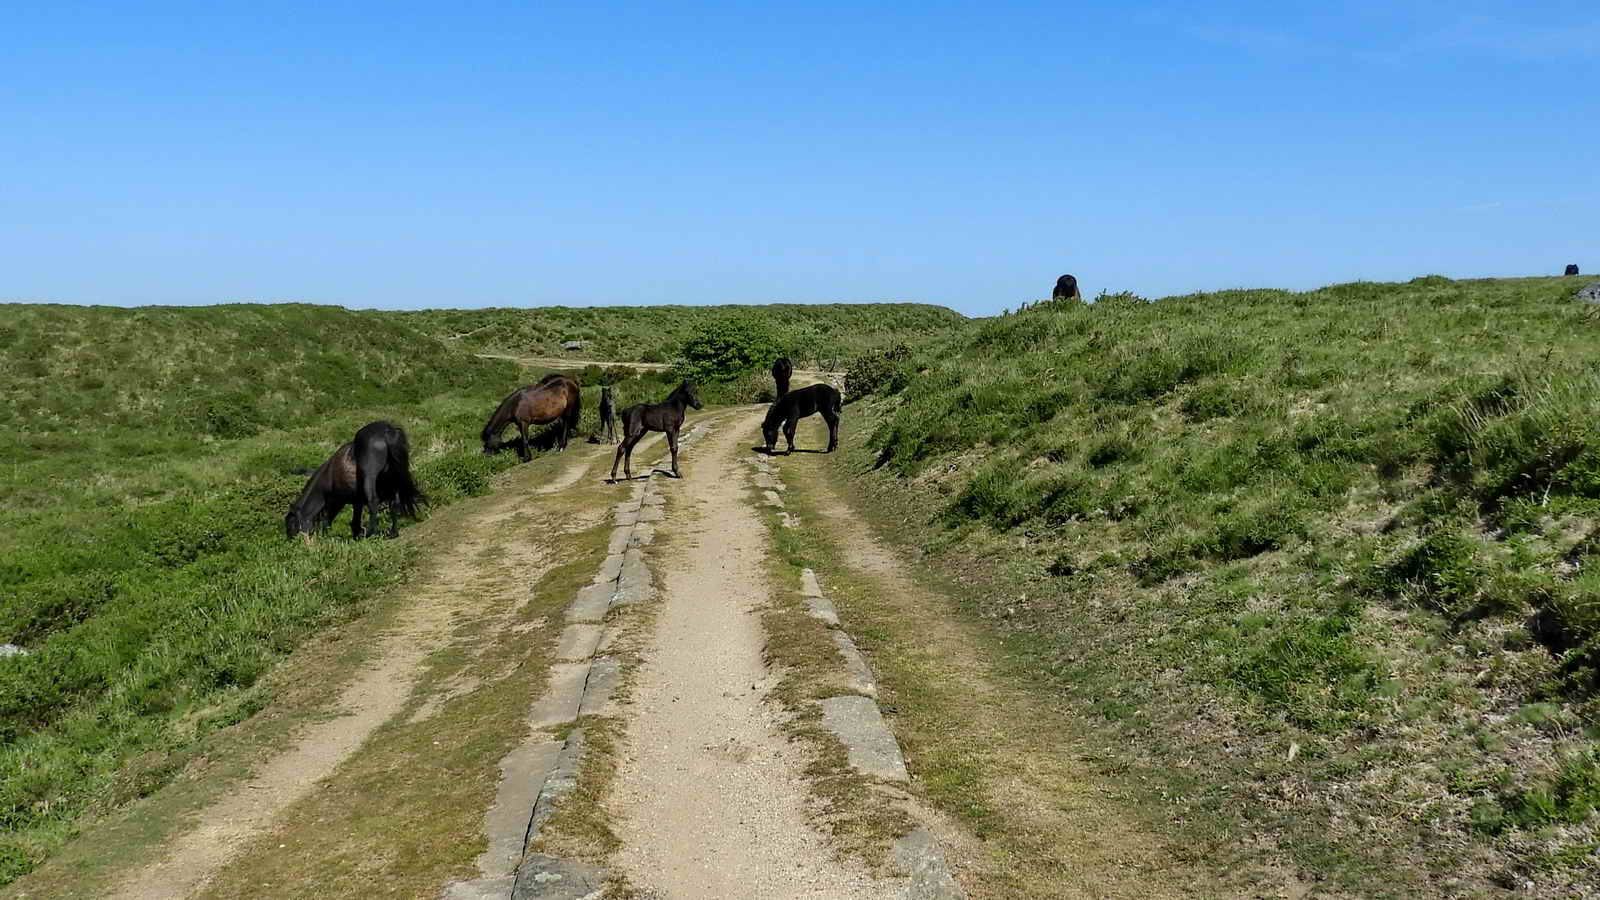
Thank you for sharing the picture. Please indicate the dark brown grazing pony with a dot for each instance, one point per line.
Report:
(797, 405)
(781, 370)
(555, 397)
(666, 416)
(373, 468)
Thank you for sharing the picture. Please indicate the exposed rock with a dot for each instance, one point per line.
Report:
(859, 725)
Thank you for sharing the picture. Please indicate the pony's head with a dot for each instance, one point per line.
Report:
(294, 523)
(491, 440)
(689, 394)
(769, 427)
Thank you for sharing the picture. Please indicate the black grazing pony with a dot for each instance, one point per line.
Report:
(1066, 289)
(373, 468)
(1572, 269)
(797, 405)
(666, 416)
(781, 370)
(556, 396)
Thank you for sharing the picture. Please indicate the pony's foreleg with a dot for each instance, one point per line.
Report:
(522, 442)
(788, 431)
(672, 444)
(355, 519)
(833, 431)
(615, 460)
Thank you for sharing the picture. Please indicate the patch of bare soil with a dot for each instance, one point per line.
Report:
(710, 800)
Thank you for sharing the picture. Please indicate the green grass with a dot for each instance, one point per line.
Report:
(149, 455)
(1357, 520)
(814, 334)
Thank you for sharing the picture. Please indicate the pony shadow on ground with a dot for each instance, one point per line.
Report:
(775, 452)
(547, 439)
(644, 477)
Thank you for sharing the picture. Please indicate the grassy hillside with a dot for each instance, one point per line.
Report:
(819, 332)
(149, 455)
(1319, 562)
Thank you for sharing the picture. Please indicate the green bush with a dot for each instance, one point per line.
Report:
(725, 349)
(880, 371)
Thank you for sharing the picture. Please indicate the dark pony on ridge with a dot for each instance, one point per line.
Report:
(556, 397)
(797, 405)
(372, 469)
(666, 416)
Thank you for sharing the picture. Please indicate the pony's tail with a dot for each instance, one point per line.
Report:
(407, 496)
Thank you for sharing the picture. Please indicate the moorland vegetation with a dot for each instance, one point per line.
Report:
(1325, 564)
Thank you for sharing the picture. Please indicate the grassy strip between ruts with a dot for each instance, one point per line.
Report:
(581, 826)
(862, 815)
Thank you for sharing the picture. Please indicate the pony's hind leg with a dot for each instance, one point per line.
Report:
(833, 430)
(625, 450)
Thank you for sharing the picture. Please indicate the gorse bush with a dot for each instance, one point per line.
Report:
(879, 371)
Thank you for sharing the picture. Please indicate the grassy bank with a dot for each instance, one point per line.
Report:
(824, 333)
(149, 457)
(1315, 563)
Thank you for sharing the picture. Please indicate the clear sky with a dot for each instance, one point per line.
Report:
(473, 153)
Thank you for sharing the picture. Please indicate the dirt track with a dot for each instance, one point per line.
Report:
(710, 798)
(711, 802)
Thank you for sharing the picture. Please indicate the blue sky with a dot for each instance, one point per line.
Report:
(470, 154)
